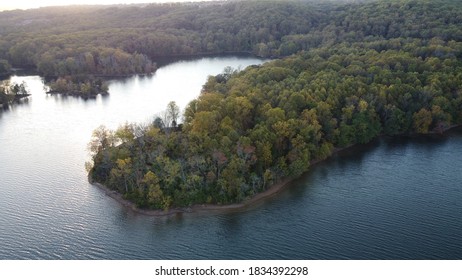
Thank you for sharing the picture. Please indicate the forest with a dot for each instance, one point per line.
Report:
(343, 73)
(372, 72)
(127, 39)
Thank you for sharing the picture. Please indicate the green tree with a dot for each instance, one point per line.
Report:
(155, 194)
(122, 172)
(173, 112)
(102, 139)
(422, 121)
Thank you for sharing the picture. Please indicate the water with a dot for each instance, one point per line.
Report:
(391, 199)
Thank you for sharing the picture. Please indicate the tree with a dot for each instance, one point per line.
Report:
(5, 67)
(173, 112)
(158, 123)
(125, 133)
(422, 121)
(102, 139)
(122, 171)
(154, 192)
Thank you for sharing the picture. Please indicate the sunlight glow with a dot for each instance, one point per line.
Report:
(32, 4)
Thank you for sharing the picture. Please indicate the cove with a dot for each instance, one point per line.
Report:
(394, 198)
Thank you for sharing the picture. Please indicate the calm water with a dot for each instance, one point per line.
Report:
(394, 198)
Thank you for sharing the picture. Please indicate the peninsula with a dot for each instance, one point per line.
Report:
(343, 73)
(358, 71)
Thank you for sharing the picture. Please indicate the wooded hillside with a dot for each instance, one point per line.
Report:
(385, 67)
(120, 40)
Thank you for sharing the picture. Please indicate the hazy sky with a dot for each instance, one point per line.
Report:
(28, 4)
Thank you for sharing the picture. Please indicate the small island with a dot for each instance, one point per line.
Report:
(10, 93)
(80, 86)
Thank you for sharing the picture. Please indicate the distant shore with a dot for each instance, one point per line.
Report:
(215, 208)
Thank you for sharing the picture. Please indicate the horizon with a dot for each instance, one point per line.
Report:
(30, 4)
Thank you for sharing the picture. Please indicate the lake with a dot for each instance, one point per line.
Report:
(395, 198)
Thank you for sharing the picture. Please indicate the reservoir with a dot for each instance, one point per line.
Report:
(395, 198)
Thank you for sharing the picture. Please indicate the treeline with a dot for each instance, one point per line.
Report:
(101, 61)
(249, 129)
(121, 40)
(5, 67)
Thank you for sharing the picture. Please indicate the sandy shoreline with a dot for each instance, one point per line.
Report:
(204, 208)
(200, 208)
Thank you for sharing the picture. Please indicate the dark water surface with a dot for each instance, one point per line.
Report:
(392, 199)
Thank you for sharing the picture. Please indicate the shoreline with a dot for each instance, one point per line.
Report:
(198, 208)
(210, 208)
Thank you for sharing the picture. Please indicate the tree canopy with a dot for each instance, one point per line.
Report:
(349, 71)
(265, 123)
(126, 39)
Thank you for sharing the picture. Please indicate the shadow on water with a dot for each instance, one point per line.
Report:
(70, 99)
(163, 61)
(345, 159)
(31, 71)
(356, 153)
(11, 106)
(129, 79)
(353, 158)
(4, 108)
(425, 145)
(418, 140)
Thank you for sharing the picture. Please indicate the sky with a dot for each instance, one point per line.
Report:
(30, 4)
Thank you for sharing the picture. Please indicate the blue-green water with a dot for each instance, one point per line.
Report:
(391, 199)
